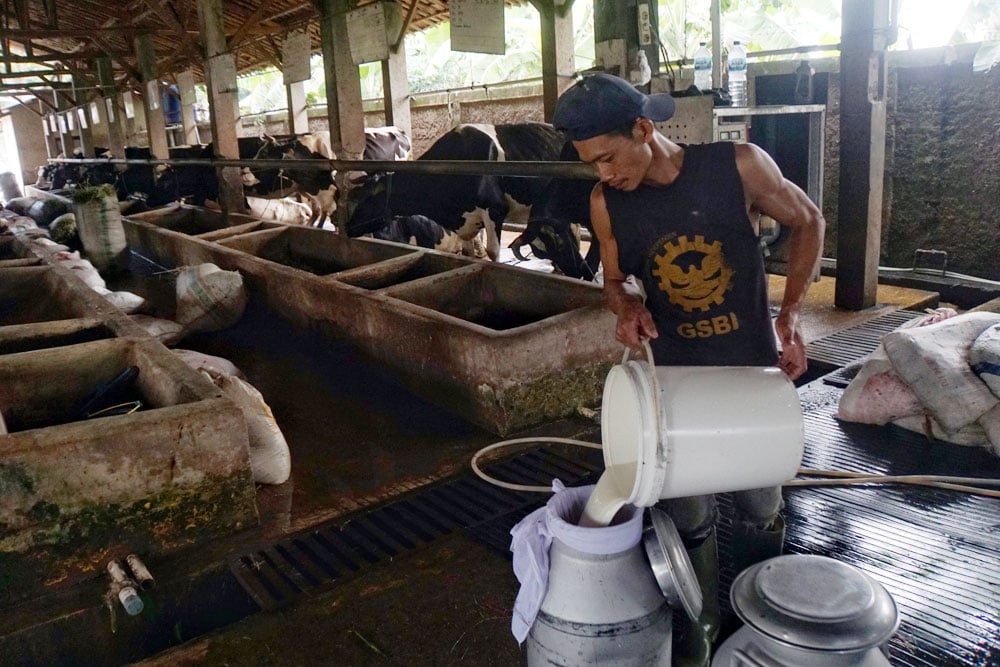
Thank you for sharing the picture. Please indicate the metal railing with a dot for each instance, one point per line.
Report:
(577, 170)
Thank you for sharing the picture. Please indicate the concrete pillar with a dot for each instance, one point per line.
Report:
(343, 84)
(616, 35)
(557, 50)
(110, 116)
(863, 72)
(220, 78)
(151, 96)
(185, 86)
(397, 90)
(83, 109)
(298, 117)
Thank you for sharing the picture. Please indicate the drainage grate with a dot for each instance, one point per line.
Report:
(304, 564)
(854, 343)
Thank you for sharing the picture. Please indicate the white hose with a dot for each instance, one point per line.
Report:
(829, 477)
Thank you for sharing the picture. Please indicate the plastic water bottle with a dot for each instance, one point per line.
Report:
(703, 68)
(738, 74)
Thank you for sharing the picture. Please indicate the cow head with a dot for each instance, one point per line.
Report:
(368, 204)
(557, 241)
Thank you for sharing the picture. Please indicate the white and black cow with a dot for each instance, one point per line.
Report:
(421, 231)
(317, 187)
(462, 204)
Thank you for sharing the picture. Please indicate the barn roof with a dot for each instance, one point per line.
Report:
(67, 35)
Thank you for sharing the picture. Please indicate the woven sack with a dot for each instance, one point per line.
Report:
(99, 224)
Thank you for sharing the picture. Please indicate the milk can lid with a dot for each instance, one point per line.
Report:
(814, 602)
(671, 565)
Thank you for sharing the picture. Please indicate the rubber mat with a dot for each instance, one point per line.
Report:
(936, 551)
(854, 343)
(278, 572)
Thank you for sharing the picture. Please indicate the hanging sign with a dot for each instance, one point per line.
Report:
(82, 113)
(366, 31)
(477, 26)
(110, 104)
(153, 95)
(222, 72)
(95, 115)
(295, 52)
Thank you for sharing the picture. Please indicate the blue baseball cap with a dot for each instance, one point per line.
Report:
(601, 103)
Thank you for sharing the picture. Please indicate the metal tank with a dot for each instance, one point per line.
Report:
(613, 609)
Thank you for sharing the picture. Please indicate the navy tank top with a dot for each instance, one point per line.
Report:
(695, 251)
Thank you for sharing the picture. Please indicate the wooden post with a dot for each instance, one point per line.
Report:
(113, 119)
(223, 104)
(343, 84)
(395, 85)
(557, 51)
(185, 87)
(862, 150)
(156, 129)
(298, 116)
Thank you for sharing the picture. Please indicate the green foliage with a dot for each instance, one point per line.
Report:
(83, 194)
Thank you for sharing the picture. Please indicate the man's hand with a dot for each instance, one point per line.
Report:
(635, 324)
(793, 348)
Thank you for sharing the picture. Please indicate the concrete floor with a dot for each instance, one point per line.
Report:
(357, 440)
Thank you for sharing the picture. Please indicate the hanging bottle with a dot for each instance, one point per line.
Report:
(703, 68)
(738, 74)
(804, 83)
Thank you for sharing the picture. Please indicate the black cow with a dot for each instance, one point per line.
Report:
(552, 231)
(462, 204)
(421, 231)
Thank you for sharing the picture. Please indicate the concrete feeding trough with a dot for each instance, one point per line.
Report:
(500, 346)
(73, 490)
(173, 473)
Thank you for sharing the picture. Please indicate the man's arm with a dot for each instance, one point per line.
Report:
(767, 191)
(634, 321)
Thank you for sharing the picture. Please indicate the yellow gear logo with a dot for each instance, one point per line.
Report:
(704, 281)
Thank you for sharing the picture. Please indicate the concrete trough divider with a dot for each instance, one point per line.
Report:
(40, 335)
(40, 294)
(503, 347)
(173, 474)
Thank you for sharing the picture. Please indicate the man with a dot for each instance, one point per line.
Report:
(682, 219)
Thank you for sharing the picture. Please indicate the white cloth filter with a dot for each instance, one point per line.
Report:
(532, 537)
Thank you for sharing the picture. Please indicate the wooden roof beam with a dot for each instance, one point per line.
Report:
(251, 21)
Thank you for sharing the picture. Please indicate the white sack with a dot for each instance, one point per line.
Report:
(127, 302)
(216, 367)
(270, 459)
(167, 332)
(877, 395)
(933, 361)
(984, 357)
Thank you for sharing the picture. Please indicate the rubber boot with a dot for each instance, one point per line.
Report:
(692, 643)
(751, 544)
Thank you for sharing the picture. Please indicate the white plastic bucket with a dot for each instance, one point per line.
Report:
(722, 428)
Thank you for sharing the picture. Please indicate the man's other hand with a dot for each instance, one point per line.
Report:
(793, 348)
(635, 324)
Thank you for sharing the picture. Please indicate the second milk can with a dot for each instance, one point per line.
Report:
(607, 591)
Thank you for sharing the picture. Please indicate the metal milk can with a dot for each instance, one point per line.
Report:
(608, 605)
(808, 611)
